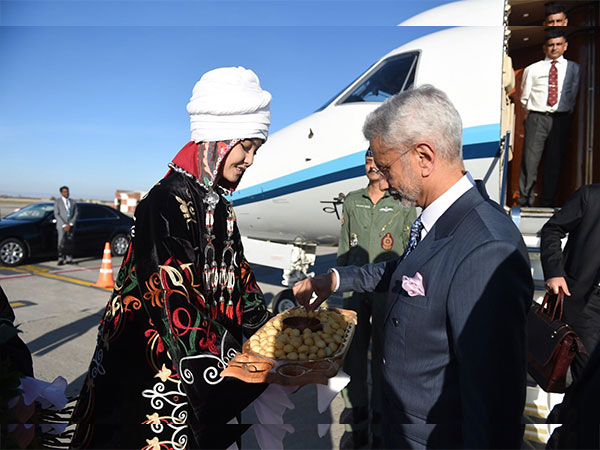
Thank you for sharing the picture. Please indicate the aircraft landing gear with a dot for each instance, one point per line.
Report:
(284, 300)
(301, 258)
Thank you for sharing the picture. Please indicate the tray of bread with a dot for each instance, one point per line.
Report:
(296, 347)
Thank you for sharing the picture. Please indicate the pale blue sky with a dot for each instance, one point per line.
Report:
(93, 93)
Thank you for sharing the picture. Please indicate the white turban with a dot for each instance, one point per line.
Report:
(228, 103)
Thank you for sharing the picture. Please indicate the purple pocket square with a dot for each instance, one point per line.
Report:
(413, 285)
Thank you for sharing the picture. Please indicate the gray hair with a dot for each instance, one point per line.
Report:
(423, 114)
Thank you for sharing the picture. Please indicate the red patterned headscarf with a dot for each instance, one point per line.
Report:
(204, 159)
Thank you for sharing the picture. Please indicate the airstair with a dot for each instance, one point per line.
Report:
(530, 222)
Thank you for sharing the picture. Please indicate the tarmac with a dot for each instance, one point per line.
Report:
(58, 311)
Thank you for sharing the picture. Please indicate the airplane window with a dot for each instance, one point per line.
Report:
(394, 75)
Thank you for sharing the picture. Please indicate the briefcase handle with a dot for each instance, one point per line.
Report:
(545, 309)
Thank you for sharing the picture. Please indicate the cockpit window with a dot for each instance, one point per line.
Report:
(395, 74)
(346, 87)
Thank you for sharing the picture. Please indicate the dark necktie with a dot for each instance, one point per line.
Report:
(414, 237)
(553, 85)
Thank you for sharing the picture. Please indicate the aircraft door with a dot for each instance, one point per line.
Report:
(579, 166)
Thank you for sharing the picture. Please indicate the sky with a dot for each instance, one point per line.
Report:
(93, 94)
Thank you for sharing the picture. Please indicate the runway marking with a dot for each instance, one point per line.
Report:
(31, 270)
(17, 304)
(80, 269)
(10, 277)
(20, 270)
(16, 269)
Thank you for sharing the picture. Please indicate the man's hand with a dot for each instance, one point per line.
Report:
(323, 286)
(556, 283)
(67, 227)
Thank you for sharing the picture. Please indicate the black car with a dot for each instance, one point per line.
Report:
(31, 231)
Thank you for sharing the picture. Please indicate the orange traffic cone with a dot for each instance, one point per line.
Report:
(105, 279)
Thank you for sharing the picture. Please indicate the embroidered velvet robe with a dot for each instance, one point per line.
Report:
(165, 335)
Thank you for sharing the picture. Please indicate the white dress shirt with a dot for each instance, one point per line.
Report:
(433, 212)
(67, 203)
(534, 87)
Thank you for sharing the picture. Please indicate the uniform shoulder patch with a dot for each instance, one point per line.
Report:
(354, 240)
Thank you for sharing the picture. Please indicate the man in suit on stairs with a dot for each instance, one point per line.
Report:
(549, 90)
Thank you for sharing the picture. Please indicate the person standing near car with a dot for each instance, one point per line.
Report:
(375, 228)
(65, 213)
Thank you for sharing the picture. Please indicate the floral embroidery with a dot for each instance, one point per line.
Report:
(154, 291)
(170, 405)
(162, 305)
(153, 419)
(163, 374)
(187, 209)
(134, 302)
(153, 444)
(155, 347)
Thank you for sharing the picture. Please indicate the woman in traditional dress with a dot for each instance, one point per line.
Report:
(185, 295)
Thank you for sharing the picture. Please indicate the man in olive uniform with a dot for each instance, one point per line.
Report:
(375, 227)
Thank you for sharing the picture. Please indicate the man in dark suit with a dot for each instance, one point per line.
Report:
(65, 213)
(579, 413)
(576, 270)
(454, 356)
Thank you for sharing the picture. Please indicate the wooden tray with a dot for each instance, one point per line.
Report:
(252, 367)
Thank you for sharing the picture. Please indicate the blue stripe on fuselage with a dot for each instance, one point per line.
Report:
(478, 142)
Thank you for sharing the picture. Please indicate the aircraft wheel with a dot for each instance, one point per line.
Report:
(284, 300)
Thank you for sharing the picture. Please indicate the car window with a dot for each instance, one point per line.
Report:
(395, 74)
(90, 211)
(32, 212)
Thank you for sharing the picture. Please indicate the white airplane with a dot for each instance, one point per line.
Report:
(292, 198)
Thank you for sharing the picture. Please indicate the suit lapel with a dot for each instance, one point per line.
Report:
(440, 234)
(569, 75)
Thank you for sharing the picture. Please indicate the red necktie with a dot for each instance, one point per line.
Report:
(553, 85)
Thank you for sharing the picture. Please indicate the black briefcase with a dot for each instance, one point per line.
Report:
(67, 244)
(552, 344)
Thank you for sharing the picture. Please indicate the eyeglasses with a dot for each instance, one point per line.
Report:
(385, 171)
